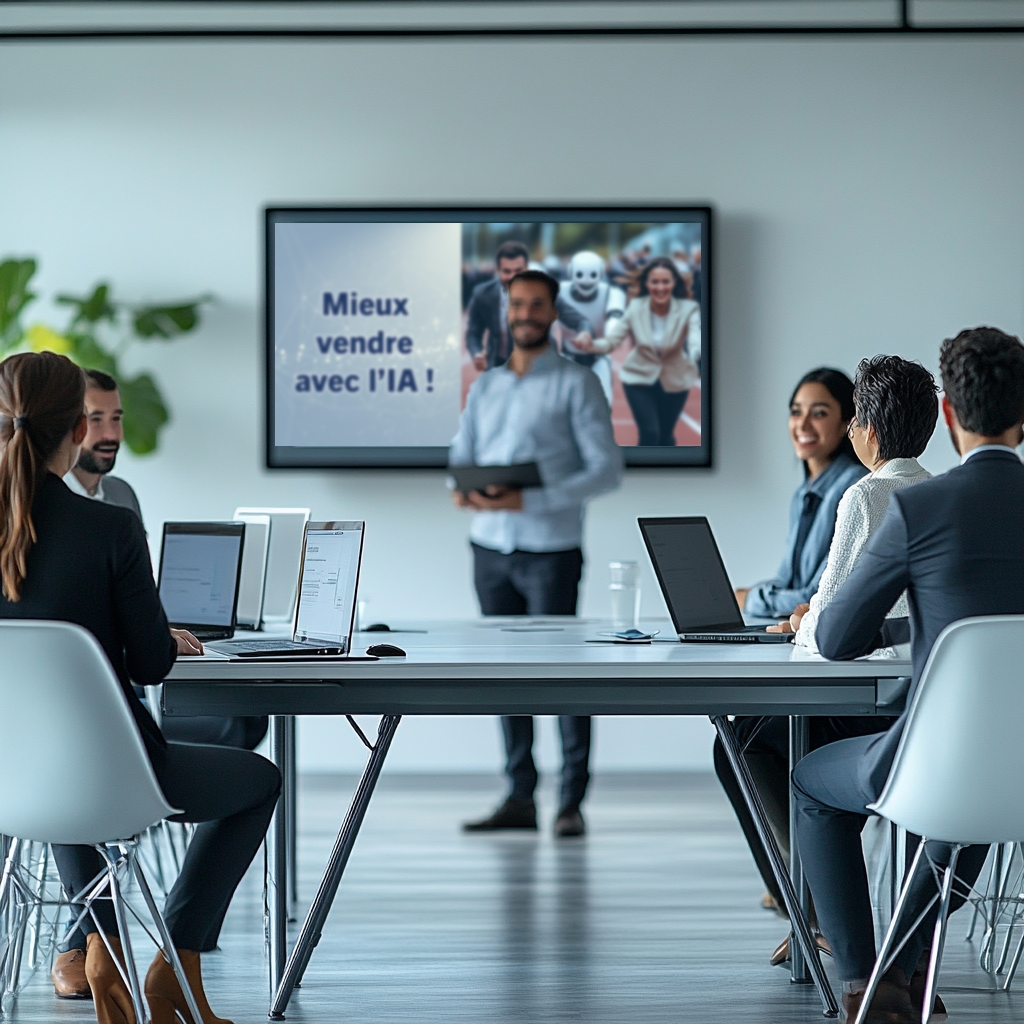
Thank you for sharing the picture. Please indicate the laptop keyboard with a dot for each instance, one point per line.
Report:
(262, 645)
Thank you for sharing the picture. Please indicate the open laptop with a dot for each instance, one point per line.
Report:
(696, 586)
(200, 566)
(254, 571)
(283, 559)
(325, 608)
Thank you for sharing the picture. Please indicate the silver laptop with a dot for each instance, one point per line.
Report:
(200, 565)
(286, 526)
(254, 570)
(326, 605)
(695, 585)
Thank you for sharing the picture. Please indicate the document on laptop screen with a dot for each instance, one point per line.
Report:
(696, 587)
(329, 575)
(198, 573)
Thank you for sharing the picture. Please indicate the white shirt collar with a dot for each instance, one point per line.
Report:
(76, 486)
(989, 448)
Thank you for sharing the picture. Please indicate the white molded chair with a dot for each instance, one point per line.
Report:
(955, 776)
(75, 771)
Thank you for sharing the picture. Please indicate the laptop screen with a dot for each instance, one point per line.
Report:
(327, 589)
(199, 568)
(691, 574)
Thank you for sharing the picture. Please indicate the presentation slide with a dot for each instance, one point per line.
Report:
(379, 327)
(366, 318)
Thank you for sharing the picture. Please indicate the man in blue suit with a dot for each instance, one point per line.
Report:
(955, 544)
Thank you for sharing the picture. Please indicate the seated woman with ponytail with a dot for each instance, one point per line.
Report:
(66, 558)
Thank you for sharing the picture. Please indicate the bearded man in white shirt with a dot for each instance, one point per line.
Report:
(537, 407)
(104, 415)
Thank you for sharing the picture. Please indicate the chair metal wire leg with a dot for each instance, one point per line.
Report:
(890, 936)
(169, 950)
(1014, 963)
(1000, 870)
(939, 937)
(141, 1011)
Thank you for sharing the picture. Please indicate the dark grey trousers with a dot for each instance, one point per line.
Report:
(231, 795)
(536, 583)
(831, 798)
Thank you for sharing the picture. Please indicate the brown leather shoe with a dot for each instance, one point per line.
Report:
(780, 954)
(68, 974)
(891, 1005)
(109, 993)
(165, 997)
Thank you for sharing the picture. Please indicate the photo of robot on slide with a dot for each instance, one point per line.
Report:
(629, 308)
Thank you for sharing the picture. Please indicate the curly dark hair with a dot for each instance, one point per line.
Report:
(898, 398)
(983, 377)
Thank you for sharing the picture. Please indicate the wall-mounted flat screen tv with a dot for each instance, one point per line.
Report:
(379, 320)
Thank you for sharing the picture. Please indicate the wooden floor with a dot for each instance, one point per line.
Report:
(653, 917)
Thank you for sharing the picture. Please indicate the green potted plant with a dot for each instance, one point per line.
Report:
(96, 336)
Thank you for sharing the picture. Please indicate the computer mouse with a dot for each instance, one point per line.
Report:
(385, 651)
(378, 627)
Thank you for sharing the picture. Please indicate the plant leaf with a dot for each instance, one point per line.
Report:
(91, 308)
(144, 413)
(167, 321)
(91, 355)
(14, 296)
(45, 339)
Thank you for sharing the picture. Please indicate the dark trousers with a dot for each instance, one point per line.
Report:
(231, 795)
(767, 756)
(656, 412)
(832, 793)
(244, 731)
(536, 583)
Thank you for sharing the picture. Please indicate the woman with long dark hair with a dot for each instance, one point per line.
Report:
(820, 412)
(663, 325)
(66, 558)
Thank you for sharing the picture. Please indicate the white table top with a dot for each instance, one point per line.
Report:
(549, 648)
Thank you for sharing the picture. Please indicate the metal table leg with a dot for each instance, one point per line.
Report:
(277, 858)
(799, 741)
(312, 927)
(290, 787)
(830, 1008)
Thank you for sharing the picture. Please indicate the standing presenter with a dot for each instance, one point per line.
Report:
(527, 557)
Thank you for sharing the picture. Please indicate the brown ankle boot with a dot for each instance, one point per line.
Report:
(109, 993)
(165, 996)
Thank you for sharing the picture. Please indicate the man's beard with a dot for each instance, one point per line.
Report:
(529, 347)
(92, 461)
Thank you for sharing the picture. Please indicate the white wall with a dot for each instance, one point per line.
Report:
(869, 194)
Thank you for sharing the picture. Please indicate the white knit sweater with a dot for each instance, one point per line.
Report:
(861, 511)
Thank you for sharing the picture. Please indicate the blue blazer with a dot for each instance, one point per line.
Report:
(778, 596)
(955, 543)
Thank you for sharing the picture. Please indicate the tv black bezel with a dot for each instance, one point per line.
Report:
(413, 457)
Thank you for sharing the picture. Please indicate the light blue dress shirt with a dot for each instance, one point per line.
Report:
(557, 416)
(777, 597)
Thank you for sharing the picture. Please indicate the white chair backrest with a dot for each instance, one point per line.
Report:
(956, 774)
(73, 768)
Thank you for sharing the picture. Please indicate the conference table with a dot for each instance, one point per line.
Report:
(524, 666)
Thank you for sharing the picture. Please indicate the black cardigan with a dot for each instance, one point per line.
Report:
(90, 565)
